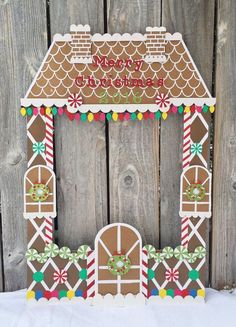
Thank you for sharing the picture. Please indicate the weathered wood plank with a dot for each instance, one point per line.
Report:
(224, 185)
(22, 47)
(80, 149)
(134, 146)
(195, 20)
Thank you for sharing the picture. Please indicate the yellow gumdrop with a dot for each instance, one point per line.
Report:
(48, 111)
(162, 293)
(115, 116)
(164, 115)
(140, 116)
(90, 117)
(212, 109)
(23, 111)
(70, 294)
(30, 295)
(187, 109)
(201, 292)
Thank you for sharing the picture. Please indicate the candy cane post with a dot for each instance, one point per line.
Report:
(49, 161)
(145, 272)
(186, 162)
(91, 274)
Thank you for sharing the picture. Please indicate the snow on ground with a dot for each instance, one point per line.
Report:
(219, 310)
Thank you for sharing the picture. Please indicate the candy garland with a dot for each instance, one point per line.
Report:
(52, 250)
(180, 252)
(100, 116)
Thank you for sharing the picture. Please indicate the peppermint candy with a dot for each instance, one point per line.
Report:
(200, 251)
(64, 252)
(180, 252)
(42, 257)
(74, 102)
(192, 257)
(159, 257)
(83, 251)
(31, 254)
(163, 102)
(60, 276)
(51, 250)
(73, 257)
(196, 148)
(38, 147)
(151, 251)
(172, 275)
(168, 252)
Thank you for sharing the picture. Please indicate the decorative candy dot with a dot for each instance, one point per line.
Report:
(133, 116)
(151, 274)
(38, 276)
(170, 292)
(187, 109)
(121, 116)
(38, 295)
(60, 111)
(79, 293)
(185, 293)
(102, 116)
(48, 111)
(54, 294)
(201, 292)
(42, 111)
(174, 109)
(83, 274)
(23, 111)
(83, 117)
(154, 291)
(178, 292)
(70, 294)
(193, 274)
(62, 293)
(35, 111)
(115, 116)
(146, 115)
(151, 115)
(162, 293)
(140, 116)
(158, 115)
(193, 293)
(47, 295)
(192, 108)
(198, 108)
(212, 109)
(90, 117)
(180, 109)
(77, 116)
(108, 116)
(127, 116)
(54, 111)
(205, 108)
(164, 115)
(30, 295)
(29, 111)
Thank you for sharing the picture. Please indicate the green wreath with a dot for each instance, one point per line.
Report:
(119, 264)
(39, 192)
(195, 192)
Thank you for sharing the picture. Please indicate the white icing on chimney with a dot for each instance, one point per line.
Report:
(81, 44)
(155, 44)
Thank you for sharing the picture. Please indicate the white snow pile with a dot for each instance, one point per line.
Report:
(219, 310)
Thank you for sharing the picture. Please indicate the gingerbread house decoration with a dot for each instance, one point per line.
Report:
(117, 77)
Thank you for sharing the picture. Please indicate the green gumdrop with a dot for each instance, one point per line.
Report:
(83, 274)
(38, 276)
(54, 111)
(83, 117)
(170, 292)
(180, 109)
(193, 274)
(133, 116)
(205, 108)
(158, 115)
(62, 293)
(29, 111)
(151, 274)
(108, 116)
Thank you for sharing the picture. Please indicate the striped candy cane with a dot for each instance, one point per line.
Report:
(91, 274)
(49, 159)
(145, 273)
(186, 162)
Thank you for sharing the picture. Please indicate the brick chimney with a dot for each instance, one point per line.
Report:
(155, 44)
(81, 44)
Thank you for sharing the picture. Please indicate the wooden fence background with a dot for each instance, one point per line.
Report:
(109, 173)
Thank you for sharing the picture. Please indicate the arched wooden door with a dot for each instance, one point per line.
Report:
(118, 260)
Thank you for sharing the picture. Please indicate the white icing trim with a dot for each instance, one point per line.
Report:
(59, 37)
(79, 28)
(117, 107)
(176, 299)
(158, 58)
(118, 37)
(195, 214)
(155, 29)
(34, 215)
(81, 60)
(175, 36)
